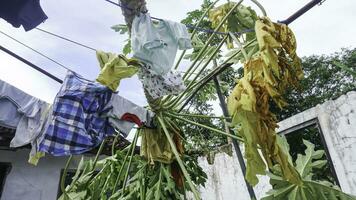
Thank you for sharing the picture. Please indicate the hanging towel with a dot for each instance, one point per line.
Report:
(114, 68)
(27, 13)
(157, 45)
(76, 125)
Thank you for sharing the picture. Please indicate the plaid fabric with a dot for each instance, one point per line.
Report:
(76, 125)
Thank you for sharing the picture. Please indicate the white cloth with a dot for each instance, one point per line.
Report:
(158, 86)
(121, 106)
(25, 113)
(16, 104)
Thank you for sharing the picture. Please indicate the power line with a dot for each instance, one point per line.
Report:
(67, 39)
(34, 50)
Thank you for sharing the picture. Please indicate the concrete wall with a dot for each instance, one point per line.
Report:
(337, 120)
(30, 182)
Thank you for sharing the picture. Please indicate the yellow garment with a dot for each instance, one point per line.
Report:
(155, 146)
(114, 68)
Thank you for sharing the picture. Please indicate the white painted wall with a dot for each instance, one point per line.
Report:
(337, 120)
(28, 182)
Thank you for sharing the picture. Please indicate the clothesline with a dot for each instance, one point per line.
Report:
(65, 38)
(36, 51)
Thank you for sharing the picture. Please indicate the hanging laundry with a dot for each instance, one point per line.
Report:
(155, 145)
(27, 13)
(76, 125)
(22, 112)
(124, 114)
(158, 86)
(35, 154)
(114, 68)
(157, 44)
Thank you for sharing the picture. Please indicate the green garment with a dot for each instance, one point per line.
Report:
(33, 159)
(114, 68)
(155, 146)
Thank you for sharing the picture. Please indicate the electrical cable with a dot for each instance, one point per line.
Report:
(67, 39)
(34, 50)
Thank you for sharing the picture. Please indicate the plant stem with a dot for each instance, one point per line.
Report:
(195, 31)
(122, 168)
(98, 153)
(211, 37)
(114, 143)
(130, 161)
(260, 7)
(179, 160)
(173, 103)
(201, 116)
(240, 45)
(209, 60)
(63, 178)
(207, 127)
(214, 72)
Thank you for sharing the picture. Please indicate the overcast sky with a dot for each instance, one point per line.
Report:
(323, 30)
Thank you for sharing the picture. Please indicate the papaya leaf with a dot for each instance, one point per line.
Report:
(121, 28)
(309, 189)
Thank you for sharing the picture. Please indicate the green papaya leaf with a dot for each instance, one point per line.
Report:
(121, 28)
(309, 189)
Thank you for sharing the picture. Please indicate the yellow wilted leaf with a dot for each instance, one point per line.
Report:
(266, 76)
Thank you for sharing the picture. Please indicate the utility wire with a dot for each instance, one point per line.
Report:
(67, 39)
(34, 50)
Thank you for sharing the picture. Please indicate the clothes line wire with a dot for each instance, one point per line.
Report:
(31, 64)
(65, 38)
(36, 51)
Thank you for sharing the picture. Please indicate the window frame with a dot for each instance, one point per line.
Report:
(311, 122)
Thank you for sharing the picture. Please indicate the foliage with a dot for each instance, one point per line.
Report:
(123, 29)
(323, 80)
(266, 76)
(241, 19)
(146, 181)
(309, 189)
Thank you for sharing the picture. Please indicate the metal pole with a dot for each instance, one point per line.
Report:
(300, 12)
(234, 142)
(31, 64)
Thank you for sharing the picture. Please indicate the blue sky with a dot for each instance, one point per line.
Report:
(323, 30)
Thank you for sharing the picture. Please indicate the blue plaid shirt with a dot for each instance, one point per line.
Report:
(76, 124)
